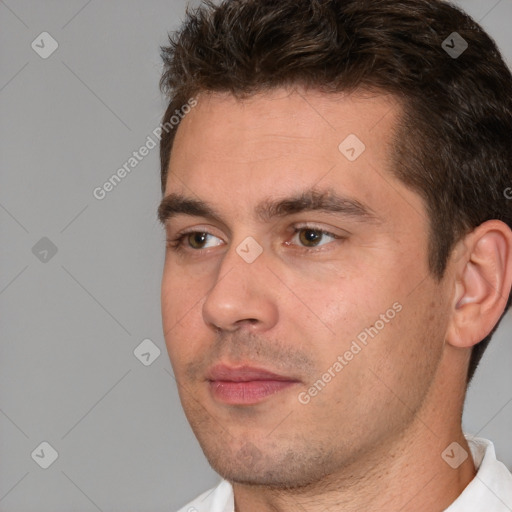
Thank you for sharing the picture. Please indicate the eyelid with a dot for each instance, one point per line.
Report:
(321, 227)
(337, 233)
(210, 230)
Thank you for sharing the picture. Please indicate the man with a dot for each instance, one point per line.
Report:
(335, 177)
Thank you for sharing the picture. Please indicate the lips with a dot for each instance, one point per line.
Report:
(243, 374)
(245, 385)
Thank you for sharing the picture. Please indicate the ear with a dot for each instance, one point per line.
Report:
(483, 279)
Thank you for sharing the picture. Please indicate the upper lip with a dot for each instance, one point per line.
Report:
(222, 372)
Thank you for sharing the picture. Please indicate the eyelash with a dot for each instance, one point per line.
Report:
(177, 244)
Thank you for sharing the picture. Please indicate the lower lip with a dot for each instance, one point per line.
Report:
(246, 393)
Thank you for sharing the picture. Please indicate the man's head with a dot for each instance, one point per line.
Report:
(367, 120)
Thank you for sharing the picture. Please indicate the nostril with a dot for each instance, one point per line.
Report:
(248, 320)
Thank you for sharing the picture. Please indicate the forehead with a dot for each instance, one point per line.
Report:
(281, 121)
(237, 152)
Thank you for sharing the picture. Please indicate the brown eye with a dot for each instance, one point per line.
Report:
(310, 237)
(196, 240)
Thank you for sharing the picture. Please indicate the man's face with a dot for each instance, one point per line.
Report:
(350, 320)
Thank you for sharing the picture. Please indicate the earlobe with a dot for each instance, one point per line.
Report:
(483, 283)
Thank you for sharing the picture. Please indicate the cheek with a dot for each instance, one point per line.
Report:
(345, 305)
(181, 291)
(170, 303)
(181, 302)
(406, 353)
(367, 325)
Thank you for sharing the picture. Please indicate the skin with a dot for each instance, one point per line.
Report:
(372, 438)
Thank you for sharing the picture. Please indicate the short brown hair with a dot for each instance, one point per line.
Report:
(453, 145)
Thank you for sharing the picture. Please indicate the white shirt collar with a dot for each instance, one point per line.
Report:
(491, 489)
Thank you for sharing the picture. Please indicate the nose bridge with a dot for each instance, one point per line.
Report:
(239, 293)
(244, 260)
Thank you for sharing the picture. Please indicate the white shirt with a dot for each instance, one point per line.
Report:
(489, 491)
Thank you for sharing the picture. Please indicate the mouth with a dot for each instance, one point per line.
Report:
(245, 385)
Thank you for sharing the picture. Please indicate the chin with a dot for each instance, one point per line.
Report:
(250, 466)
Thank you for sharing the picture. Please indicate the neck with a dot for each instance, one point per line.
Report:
(406, 474)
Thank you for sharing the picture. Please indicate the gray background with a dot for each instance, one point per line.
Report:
(70, 324)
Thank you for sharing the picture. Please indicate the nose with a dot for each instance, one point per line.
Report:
(241, 296)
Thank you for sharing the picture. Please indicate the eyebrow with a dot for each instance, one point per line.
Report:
(310, 200)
